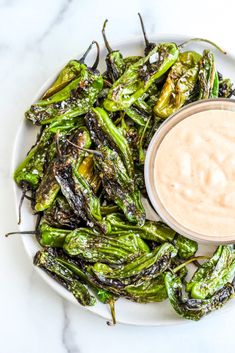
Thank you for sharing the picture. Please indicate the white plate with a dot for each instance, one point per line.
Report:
(156, 314)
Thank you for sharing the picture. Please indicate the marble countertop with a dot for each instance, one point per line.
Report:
(36, 38)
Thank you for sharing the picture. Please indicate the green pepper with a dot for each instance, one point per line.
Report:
(61, 215)
(79, 194)
(155, 231)
(31, 170)
(106, 210)
(48, 236)
(118, 185)
(107, 249)
(114, 60)
(46, 260)
(129, 60)
(139, 112)
(49, 188)
(213, 274)
(138, 77)
(153, 290)
(208, 82)
(103, 295)
(186, 247)
(103, 131)
(179, 84)
(68, 97)
(150, 291)
(70, 72)
(144, 267)
(225, 87)
(148, 45)
(195, 309)
(215, 89)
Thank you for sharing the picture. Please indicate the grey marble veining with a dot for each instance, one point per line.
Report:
(68, 336)
(57, 20)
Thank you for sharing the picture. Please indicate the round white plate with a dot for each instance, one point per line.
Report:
(155, 314)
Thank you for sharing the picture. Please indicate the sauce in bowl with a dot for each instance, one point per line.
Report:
(193, 172)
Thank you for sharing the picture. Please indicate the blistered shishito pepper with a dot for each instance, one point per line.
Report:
(150, 291)
(103, 131)
(103, 296)
(208, 77)
(69, 73)
(205, 269)
(195, 309)
(139, 112)
(155, 231)
(61, 215)
(107, 249)
(49, 236)
(114, 60)
(186, 247)
(118, 185)
(31, 170)
(215, 89)
(46, 260)
(138, 77)
(148, 45)
(49, 187)
(129, 60)
(73, 100)
(79, 194)
(225, 87)
(144, 267)
(213, 274)
(179, 84)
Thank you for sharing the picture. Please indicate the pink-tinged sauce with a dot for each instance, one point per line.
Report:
(195, 172)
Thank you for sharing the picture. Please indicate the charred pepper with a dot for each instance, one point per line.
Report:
(179, 84)
(46, 260)
(69, 101)
(118, 185)
(138, 77)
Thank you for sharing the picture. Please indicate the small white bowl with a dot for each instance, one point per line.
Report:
(168, 124)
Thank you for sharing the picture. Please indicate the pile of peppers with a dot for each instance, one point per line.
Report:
(85, 179)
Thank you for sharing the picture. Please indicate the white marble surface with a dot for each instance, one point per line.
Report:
(36, 38)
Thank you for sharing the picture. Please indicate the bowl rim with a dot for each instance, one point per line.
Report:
(162, 131)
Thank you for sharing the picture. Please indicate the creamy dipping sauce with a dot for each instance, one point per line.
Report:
(195, 172)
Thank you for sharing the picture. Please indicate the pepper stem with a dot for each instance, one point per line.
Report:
(202, 40)
(24, 232)
(105, 38)
(86, 53)
(85, 149)
(94, 66)
(113, 313)
(176, 269)
(23, 196)
(143, 30)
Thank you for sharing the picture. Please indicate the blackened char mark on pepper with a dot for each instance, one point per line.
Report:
(64, 176)
(153, 64)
